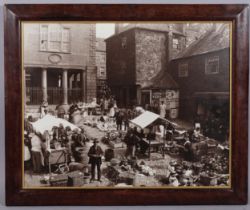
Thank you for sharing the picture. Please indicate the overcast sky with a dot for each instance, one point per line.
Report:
(104, 30)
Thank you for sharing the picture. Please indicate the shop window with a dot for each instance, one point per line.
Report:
(183, 70)
(54, 38)
(212, 65)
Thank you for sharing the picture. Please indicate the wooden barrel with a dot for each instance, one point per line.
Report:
(83, 152)
(109, 154)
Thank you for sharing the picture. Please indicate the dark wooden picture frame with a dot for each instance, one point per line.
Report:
(15, 14)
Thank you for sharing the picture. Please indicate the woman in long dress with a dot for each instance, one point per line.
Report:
(163, 110)
(112, 111)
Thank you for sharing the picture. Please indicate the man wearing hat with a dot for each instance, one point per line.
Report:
(95, 153)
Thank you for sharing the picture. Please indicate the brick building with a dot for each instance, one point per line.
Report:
(59, 63)
(202, 73)
(136, 54)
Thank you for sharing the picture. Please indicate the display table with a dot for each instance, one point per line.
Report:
(154, 145)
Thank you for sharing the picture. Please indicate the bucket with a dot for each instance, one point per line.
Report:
(86, 178)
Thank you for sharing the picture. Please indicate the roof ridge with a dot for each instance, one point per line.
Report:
(211, 40)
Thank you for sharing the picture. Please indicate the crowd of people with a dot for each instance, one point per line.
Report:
(38, 146)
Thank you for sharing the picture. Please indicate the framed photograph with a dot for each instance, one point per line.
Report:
(126, 104)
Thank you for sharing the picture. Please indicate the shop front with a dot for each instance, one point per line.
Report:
(152, 98)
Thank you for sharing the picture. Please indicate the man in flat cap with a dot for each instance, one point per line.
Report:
(95, 159)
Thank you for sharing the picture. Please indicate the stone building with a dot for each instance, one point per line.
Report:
(59, 63)
(101, 67)
(202, 73)
(136, 54)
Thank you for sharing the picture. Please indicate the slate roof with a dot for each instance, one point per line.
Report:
(163, 80)
(212, 40)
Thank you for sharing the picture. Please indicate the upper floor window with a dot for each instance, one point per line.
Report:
(54, 38)
(124, 42)
(183, 70)
(102, 71)
(212, 65)
(176, 43)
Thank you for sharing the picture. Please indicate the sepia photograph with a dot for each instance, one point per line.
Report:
(126, 104)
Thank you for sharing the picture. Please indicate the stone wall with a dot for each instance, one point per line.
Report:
(91, 83)
(91, 68)
(101, 58)
(92, 45)
(101, 64)
(151, 54)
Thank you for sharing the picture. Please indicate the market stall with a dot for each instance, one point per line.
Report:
(149, 119)
(48, 122)
(59, 154)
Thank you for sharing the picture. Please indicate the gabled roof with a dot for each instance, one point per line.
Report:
(163, 80)
(212, 40)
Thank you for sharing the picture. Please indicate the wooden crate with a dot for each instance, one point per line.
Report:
(116, 144)
(59, 180)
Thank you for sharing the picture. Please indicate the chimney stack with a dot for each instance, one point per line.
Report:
(117, 28)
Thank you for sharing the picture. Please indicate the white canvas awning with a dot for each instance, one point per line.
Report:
(147, 118)
(48, 121)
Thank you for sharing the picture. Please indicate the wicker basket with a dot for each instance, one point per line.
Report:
(75, 178)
